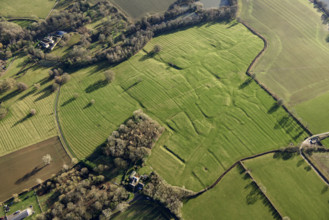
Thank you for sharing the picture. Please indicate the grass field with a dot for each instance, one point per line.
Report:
(17, 130)
(26, 9)
(235, 197)
(142, 210)
(213, 114)
(139, 8)
(23, 167)
(293, 187)
(294, 65)
(321, 161)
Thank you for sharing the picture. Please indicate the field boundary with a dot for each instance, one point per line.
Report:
(248, 72)
(62, 139)
(258, 186)
(316, 170)
(229, 169)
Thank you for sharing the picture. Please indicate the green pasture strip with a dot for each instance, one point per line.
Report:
(291, 185)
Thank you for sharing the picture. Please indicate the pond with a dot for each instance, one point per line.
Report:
(215, 3)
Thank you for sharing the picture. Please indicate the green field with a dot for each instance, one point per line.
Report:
(294, 66)
(213, 114)
(26, 9)
(17, 130)
(235, 197)
(139, 8)
(293, 187)
(142, 210)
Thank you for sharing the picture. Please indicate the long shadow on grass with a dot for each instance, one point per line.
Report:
(97, 85)
(30, 174)
(44, 93)
(273, 108)
(27, 94)
(22, 120)
(245, 83)
(10, 95)
(68, 101)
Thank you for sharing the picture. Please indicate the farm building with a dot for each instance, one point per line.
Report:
(19, 215)
(51, 40)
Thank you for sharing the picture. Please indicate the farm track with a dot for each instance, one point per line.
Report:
(61, 135)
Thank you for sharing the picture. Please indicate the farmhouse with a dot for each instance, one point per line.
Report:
(51, 40)
(19, 215)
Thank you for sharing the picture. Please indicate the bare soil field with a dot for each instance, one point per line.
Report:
(19, 170)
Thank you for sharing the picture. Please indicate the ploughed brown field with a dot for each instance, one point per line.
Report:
(20, 170)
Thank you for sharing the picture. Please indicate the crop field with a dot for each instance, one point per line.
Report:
(235, 197)
(213, 113)
(24, 166)
(26, 9)
(293, 187)
(18, 129)
(139, 8)
(294, 66)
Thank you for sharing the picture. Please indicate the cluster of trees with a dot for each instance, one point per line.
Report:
(133, 141)
(81, 194)
(170, 196)
(320, 4)
(59, 76)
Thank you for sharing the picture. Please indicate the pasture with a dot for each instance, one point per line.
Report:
(294, 66)
(19, 129)
(143, 209)
(293, 187)
(235, 197)
(22, 168)
(138, 8)
(197, 88)
(321, 161)
(26, 9)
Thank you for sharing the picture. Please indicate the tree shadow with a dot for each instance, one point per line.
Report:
(254, 194)
(300, 162)
(44, 93)
(68, 101)
(282, 122)
(10, 95)
(30, 174)
(22, 120)
(88, 105)
(273, 108)
(97, 85)
(245, 83)
(298, 135)
(27, 94)
(44, 80)
(325, 189)
(148, 55)
(284, 155)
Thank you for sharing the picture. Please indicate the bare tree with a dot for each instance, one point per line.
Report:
(33, 112)
(109, 76)
(47, 159)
